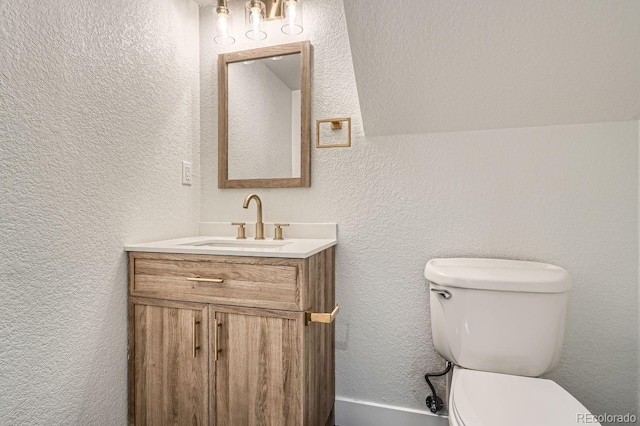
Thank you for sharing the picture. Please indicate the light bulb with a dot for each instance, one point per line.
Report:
(291, 11)
(255, 14)
(254, 20)
(291, 17)
(223, 24)
(224, 28)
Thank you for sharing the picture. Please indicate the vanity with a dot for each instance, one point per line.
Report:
(227, 331)
(234, 327)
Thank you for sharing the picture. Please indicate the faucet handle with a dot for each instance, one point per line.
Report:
(278, 230)
(241, 230)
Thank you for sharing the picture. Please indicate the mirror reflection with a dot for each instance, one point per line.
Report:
(264, 117)
(264, 114)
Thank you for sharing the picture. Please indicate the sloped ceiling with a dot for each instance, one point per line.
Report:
(448, 65)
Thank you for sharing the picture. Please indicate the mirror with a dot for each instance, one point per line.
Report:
(264, 117)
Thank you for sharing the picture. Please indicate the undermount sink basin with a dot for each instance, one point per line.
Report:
(237, 243)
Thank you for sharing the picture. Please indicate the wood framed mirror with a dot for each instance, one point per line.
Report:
(264, 117)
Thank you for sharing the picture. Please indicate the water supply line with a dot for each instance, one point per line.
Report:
(434, 402)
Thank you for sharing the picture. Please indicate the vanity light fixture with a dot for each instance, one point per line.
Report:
(224, 24)
(254, 17)
(292, 17)
(256, 13)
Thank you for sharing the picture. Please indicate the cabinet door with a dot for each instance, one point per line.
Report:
(258, 370)
(167, 371)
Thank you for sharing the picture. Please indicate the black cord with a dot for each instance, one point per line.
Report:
(434, 402)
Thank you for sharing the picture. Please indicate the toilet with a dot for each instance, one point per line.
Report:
(501, 323)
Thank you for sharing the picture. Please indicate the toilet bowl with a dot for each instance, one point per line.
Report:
(493, 399)
(501, 323)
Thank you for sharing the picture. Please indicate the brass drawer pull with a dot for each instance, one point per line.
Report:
(206, 280)
(216, 349)
(194, 328)
(322, 317)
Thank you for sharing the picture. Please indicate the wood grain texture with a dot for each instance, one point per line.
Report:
(223, 125)
(279, 261)
(131, 350)
(272, 369)
(264, 52)
(258, 377)
(169, 386)
(247, 282)
(305, 106)
(262, 183)
(304, 48)
(319, 340)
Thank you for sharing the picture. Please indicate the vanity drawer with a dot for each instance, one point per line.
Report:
(260, 282)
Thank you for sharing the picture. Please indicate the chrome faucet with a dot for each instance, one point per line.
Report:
(259, 224)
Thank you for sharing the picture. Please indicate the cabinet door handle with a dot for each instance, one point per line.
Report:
(205, 280)
(322, 317)
(194, 330)
(216, 350)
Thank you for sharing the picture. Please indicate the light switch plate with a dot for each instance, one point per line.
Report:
(186, 173)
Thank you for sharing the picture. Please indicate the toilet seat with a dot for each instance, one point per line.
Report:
(479, 398)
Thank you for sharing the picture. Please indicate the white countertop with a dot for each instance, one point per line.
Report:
(294, 247)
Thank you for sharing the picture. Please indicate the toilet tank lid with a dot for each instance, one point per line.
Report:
(498, 274)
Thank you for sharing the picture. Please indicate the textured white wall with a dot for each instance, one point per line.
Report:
(452, 65)
(567, 195)
(111, 88)
(99, 104)
(260, 110)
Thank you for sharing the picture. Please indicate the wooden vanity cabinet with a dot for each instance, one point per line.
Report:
(167, 384)
(258, 361)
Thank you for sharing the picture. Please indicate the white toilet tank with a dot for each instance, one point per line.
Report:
(502, 316)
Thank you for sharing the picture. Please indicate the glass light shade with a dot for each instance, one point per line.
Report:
(224, 27)
(254, 13)
(292, 17)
